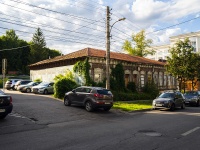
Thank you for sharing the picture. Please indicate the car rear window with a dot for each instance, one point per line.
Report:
(104, 92)
(191, 94)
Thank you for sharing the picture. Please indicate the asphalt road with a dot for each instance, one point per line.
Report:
(39, 122)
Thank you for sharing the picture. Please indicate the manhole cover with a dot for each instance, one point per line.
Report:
(150, 133)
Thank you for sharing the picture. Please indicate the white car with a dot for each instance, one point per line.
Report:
(43, 88)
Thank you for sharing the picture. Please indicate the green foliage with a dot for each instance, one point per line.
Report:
(26, 54)
(131, 86)
(83, 68)
(183, 63)
(117, 81)
(62, 86)
(151, 89)
(38, 80)
(140, 44)
(68, 75)
(17, 59)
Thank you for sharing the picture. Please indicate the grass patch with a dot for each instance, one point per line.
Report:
(133, 105)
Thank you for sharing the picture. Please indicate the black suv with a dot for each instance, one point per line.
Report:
(5, 104)
(171, 100)
(90, 97)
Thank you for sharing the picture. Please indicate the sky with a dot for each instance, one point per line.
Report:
(71, 25)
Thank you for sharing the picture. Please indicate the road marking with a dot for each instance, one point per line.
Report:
(190, 131)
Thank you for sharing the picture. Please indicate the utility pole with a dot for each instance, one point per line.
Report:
(108, 48)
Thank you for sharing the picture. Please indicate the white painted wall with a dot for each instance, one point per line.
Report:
(49, 73)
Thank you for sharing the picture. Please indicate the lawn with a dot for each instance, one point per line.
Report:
(133, 105)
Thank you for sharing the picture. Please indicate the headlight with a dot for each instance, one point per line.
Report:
(195, 98)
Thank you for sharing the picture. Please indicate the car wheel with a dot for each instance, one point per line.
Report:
(183, 106)
(107, 108)
(45, 91)
(3, 116)
(172, 108)
(198, 103)
(67, 102)
(88, 106)
(28, 90)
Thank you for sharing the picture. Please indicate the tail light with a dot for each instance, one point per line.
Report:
(10, 99)
(98, 95)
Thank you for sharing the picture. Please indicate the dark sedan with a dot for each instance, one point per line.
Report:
(5, 104)
(169, 100)
(192, 98)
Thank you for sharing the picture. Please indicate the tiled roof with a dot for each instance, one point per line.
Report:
(91, 52)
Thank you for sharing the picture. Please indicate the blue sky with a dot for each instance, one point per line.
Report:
(70, 25)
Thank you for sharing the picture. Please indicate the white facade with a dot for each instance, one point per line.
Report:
(49, 74)
(162, 51)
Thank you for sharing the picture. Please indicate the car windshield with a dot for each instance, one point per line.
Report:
(30, 83)
(167, 95)
(191, 94)
(104, 92)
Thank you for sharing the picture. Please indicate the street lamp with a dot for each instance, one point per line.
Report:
(108, 31)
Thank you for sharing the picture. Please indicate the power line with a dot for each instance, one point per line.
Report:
(62, 39)
(174, 25)
(15, 48)
(18, 1)
(49, 30)
(51, 17)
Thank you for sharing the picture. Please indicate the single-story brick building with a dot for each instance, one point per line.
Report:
(137, 69)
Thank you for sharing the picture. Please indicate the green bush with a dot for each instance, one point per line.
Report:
(62, 86)
(131, 86)
(151, 89)
(1, 82)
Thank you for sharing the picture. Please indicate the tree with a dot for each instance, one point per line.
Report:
(117, 78)
(16, 52)
(140, 45)
(183, 63)
(38, 50)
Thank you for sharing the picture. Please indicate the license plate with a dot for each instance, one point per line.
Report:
(186, 102)
(2, 110)
(159, 105)
(107, 103)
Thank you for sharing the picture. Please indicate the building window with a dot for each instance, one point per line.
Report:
(142, 80)
(193, 43)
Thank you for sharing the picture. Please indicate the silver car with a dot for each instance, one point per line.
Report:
(43, 88)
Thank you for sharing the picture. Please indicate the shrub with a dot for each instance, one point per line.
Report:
(62, 86)
(131, 86)
(38, 80)
(151, 89)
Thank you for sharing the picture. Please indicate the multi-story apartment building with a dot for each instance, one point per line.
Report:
(162, 51)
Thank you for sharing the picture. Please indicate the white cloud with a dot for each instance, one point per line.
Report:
(140, 14)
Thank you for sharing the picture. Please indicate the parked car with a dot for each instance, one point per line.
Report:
(192, 98)
(10, 83)
(43, 88)
(27, 88)
(171, 100)
(21, 82)
(90, 97)
(5, 104)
